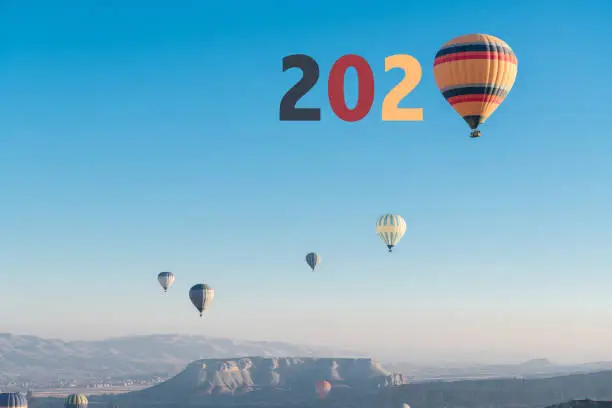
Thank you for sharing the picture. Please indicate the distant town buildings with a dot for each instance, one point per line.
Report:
(63, 385)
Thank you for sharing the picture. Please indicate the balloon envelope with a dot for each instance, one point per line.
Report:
(201, 296)
(475, 73)
(13, 400)
(322, 388)
(390, 228)
(165, 279)
(76, 401)
(313, 259)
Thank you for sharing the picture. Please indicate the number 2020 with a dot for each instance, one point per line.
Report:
(335, 88)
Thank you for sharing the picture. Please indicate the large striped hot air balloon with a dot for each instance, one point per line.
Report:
(165, 279)
(322, 388)
(475, 72)
(313, 259)
(201, 296)
(390, 228)
(13, 400)
(76, 401)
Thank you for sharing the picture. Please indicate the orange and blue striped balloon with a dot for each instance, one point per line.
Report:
(475, 72)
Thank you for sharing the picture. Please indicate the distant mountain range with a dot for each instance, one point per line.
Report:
(288, 382)
(37, 359)
(538, 368)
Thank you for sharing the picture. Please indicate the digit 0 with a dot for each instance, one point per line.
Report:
(310, 76)
(412, 77)
(335, 88)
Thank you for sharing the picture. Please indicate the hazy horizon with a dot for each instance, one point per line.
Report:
(415, 356)
(138, 140)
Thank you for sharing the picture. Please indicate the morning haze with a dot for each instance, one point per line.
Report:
(144, 137)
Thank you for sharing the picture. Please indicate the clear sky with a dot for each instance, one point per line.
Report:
(144, 136)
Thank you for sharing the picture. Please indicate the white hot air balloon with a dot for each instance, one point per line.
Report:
(390, 228)
(165, 279)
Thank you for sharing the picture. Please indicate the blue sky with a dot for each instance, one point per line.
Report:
(139, 139)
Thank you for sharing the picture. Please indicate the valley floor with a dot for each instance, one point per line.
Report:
(63, 392)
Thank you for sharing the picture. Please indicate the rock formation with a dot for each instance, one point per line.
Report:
(238, 376)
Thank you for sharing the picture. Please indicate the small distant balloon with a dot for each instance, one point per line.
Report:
(76, 401)
(390, 228)
(13, 400)
(322, 388)
(165, 279)
(313, 259)
(201, 296)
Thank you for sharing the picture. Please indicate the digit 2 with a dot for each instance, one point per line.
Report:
(310, 76)
(412, 77)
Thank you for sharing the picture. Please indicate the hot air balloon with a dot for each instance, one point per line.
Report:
(390, 228)
(322, 388)
(475, 72)
(165, 279)
(201, 295)
(313, 259)
(76, 401)
(13, 400)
